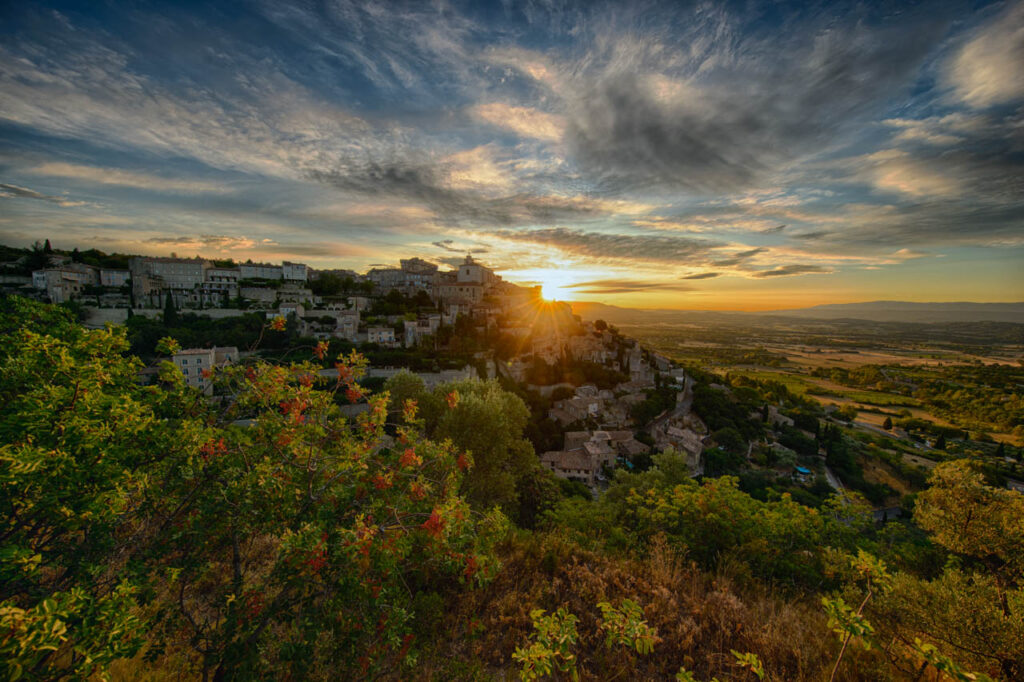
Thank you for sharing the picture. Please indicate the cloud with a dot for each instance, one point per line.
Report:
(897, 171)
(790, 270)
(429, 184)
(702, 275)
(115, 176)
(738, 258)
(616, 247)
(908, 254)
(219, 242)
(647, 111)
(476, 169)
(237, 113)
(16, 192)
(987, 70)
(267, 249)
(523, 121)
(624, 286)
(936, 130)
(451, 246)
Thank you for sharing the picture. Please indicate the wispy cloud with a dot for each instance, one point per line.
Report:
(624, 286)
(124, 178)
(644, 110)
(452, 246)
(16, 192)
(217, 241)
(790, 270)
(462, 202)
(986, 70)
(523, 121)
(617, 247)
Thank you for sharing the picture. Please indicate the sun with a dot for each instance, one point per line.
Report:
(556, 285)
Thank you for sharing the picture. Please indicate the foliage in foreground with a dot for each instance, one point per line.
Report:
(265, 535)
(144, 520)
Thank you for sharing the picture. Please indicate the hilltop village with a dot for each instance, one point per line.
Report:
(598, 400)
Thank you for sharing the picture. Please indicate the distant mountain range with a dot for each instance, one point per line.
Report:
(876, 311)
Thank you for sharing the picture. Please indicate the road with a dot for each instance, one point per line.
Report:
(834, 481)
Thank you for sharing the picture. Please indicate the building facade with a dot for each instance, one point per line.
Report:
(196, 364)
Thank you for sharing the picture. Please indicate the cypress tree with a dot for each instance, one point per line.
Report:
(170, 311)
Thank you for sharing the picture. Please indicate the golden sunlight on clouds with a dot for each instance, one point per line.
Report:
(476, 169)
(123, 178)
(523, 121)
(987, 70)
(894, 170)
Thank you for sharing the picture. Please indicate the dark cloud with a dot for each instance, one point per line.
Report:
(811, 236)
(450, 245)
(601, 245)
(625, 286)
(16, 192)
(424, 184)
(789, 270)
(773, 230)
(314, 250)
(934, 223)
(218, 241)
(738, 258)
(703, 275)
(761, 103)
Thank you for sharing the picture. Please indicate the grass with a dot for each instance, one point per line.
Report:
(878, 398)
(793, 382)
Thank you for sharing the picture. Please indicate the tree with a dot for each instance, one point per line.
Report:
(66, 486)
(847, 413)
(37, 258)
(975, 605)
(970, 518)
(281, 549)
(887, 424)
(600, 325)
(487, 423)
(47, 248)
(402, 387)
(940, 442)
(730, 440)
(170, 311)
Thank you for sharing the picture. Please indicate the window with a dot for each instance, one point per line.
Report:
(185, 372)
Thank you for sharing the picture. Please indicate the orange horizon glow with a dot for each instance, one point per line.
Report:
(741, 294)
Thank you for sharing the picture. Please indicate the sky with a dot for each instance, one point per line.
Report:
(740, 156)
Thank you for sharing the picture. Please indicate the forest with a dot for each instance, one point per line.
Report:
(150, 533)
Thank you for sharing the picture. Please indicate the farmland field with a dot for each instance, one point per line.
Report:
(971, 380)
